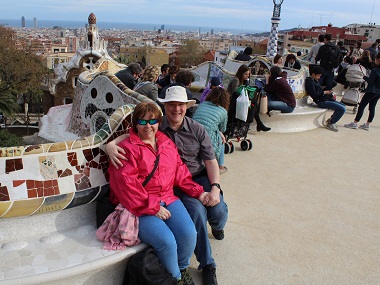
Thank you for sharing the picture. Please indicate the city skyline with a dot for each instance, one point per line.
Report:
(222, 14)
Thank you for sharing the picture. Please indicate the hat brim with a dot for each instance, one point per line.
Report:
(189, 103)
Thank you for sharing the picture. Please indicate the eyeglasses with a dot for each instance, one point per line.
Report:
(143, 122)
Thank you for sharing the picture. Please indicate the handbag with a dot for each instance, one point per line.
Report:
(104, 207)
(263, 104)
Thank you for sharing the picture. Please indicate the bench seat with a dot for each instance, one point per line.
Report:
(68, 255)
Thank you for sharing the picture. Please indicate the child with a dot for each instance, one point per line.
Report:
(214, 82)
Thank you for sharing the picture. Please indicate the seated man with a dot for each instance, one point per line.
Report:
(196, 151)
(324, 99)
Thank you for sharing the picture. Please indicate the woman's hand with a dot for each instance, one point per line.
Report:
(115, 154)
(163, 213)
(223, 138)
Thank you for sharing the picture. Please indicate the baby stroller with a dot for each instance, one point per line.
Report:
(354, 77)
(237, 129)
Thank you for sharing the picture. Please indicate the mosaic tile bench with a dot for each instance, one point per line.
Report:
(47, 218)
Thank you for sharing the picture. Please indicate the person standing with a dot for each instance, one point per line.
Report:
(371, 96)
(330, 56)
(212, 114)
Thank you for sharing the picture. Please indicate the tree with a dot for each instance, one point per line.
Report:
(191, 53)
(20, 71)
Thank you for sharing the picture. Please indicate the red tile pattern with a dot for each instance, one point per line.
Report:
(13, 165)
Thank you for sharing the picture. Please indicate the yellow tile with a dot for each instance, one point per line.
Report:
(4, 206)
(24, 207)
(33, 149)
(56, 203)
(60, 146)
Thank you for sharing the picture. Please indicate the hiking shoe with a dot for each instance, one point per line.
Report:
(186, 278)
(209, 275)
(218, 234)
(365, 127)
(332, 127)
(352, 125)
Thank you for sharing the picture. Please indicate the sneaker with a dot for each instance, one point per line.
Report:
(222, 169)
(332, 127)
(186, 278)
(209, 275)
(365, 127)
(352, 125)
(274, 113)
(218, 234)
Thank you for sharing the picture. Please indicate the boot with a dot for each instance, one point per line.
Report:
(259, 124)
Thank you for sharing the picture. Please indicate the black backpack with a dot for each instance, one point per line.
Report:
(333, 56)
(144, 269)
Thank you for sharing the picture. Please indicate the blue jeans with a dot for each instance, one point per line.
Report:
(173, 239)
(327, 79)
(216, 216)
(338, 107)
(371, 99)
(278, 105)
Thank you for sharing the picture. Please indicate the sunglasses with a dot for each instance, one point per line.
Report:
(143, 122)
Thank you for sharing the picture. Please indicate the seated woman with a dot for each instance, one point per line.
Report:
(280, 95)
(278, 60)
(212, 114)
(292, 62)
(147, 84)
(164, 222)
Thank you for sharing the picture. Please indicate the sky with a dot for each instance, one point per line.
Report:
(238, 14)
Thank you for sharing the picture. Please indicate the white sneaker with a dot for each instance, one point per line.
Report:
(352, 125)
(332, 127)
(365, 127)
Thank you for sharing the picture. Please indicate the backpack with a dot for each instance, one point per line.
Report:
(333, 56)
(144, 269)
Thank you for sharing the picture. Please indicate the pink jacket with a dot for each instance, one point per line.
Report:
(126, 182)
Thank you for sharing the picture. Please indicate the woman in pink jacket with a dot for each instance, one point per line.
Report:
(163, 220)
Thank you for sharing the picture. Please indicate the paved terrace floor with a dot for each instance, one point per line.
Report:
(304, 208)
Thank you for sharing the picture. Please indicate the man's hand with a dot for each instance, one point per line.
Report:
(163, 213)
(211, 198)
(115, 154)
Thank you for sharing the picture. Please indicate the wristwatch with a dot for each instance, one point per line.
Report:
(217, 185)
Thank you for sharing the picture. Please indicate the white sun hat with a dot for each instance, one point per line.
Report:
(177, 94)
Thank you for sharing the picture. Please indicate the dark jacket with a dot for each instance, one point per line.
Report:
(243, 57)
(164, 81)
(314, 90)
(323, 55)
(373, 81)
(296, 65)
(127, 78)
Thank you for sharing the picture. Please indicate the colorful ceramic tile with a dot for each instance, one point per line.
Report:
(48, 168)
(66, 172)
(4, 206)
(72, 158)
(4, 194)
(24, 207)
(82, 182)
(84, 197)
(60, 146)
(56, 203)
(13, 165)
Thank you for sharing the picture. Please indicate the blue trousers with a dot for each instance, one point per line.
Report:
(278, 105)
(216, 216)
(173, 239)
(338, 107)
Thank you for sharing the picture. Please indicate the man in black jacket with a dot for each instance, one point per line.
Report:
(330, 56)
(130, 75)
(324, 98)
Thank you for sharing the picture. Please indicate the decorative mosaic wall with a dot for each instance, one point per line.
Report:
(55, 176)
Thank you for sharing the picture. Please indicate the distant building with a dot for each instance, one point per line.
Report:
(212, 32)
(371, 31)
(23, 21)
(162, 27)
(35, 22)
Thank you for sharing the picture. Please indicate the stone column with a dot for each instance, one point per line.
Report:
(273, 38)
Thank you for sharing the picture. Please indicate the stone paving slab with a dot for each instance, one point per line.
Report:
(304, 208)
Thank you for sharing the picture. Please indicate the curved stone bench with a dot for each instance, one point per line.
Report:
(59, 247)
(306, 116)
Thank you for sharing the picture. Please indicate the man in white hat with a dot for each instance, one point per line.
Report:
(195, 148)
